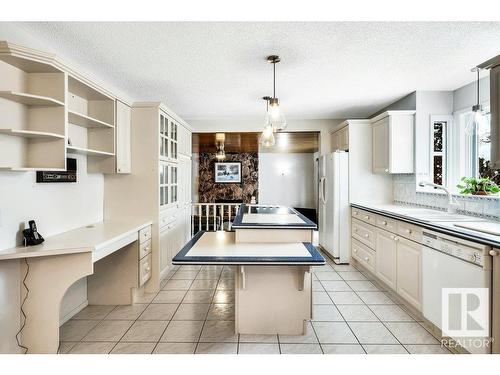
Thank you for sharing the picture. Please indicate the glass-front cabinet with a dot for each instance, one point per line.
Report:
(173, 140)
(168, 138)
(168, 184)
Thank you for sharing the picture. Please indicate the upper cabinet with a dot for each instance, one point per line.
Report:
(393, 142)
(123, 123)
(340, 139)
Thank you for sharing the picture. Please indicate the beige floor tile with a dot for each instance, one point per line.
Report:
(226, 284)
(411, 333)
(170, 296)
(390, 313)
(224, 296)
(207, 268)
(175, 348)
(190, 267)
(145, 298)
(336, 286)
(221, 311)
(192, 311)
(75, 330)
(308, 338)
(362, 286)
(328, 313)
(300, 349)
(108, 330)
(352, 276)
(94, 312)
(209, 274)
(342, 349)
(344, 268)
(375, 298)
(204, 284)
(385, 349)
(177, 285)
(216, 348)
(133, 348)
(328, 276)
(254, 348)
(145, 331)
(218, 331)
(324, 268)
(159, 311)
(259, 338)
(66, 346)
(131, 312)
(372, 333)
(334, 333)
(345, 298)
(427, 349)
(198, 296)
(321, 298)
(357, 313)
(182, 331)
(317, 286)
(92, 348)
(184, 275)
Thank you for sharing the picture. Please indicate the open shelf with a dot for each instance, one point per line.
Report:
(31, 134)
(86, 151)
(29, 99)
(27, 169)
(86, 121)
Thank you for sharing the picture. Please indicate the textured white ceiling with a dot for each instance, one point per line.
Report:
(328, 70)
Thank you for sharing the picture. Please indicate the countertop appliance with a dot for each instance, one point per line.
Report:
(334, 217)
(449, 262)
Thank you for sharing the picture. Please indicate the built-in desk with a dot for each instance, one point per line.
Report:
(114, 255)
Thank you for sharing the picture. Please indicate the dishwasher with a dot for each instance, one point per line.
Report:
(450, 262)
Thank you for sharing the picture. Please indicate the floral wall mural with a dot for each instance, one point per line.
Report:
(210, 192)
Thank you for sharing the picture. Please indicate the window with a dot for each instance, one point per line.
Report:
(438, 153)
(477, 149)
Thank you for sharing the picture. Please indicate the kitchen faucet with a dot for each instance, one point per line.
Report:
(453, 205)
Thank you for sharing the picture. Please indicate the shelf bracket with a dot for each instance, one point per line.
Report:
(302, 277)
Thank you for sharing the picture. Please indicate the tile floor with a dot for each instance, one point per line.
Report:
(194, 313)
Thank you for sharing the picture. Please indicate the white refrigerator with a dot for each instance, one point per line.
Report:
(334, 217)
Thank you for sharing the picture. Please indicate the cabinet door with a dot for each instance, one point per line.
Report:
(123, 120)
(164, 249)
(344, 139)
(386, 257)
(174, 178)
(163, 136)
(173, 134)
(164, 184)
(409, 258)
(380, 135)
(335, 141)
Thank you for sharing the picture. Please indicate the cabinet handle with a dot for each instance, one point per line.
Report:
(408, 231)
(396, 239)
(356, 213)
(355, 250)
(367, 259)
(148, 269)
(148, 248)
(367, 217)
(386, 170)
(367, 236)
(393, 237)
(356, 230)
(493, 253)
(384, 222)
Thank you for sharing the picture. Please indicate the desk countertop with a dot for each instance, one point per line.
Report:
(90, 238)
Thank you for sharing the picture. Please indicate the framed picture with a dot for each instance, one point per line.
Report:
(228, 173)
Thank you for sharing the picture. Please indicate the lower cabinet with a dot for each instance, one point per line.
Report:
(409, 278)
(173, 236)
(386, 250)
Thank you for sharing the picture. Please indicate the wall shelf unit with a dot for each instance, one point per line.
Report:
(86, 151)
(30, 100)
(86, 121)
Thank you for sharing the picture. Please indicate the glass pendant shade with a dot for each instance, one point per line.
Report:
(276, 117)
(477, 122)
(267, 137)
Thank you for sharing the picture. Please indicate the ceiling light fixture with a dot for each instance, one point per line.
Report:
(477, 120)
(274, 115)
(220, 154)
(267, 137)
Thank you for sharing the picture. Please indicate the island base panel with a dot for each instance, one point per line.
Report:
(273, 299)
(273, 235)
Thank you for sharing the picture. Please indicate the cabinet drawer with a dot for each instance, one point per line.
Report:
(144, 249)
(167, 217)
(365, 216)
(144, 269)
(410, 231)
(363, 254)
(386, 223)
(364, 233)
(145, 234)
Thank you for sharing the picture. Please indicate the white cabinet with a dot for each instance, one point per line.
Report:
(409, 257)
(386, 257)
(393, 142)
(185, 141)
(340, 139)
(123, 121)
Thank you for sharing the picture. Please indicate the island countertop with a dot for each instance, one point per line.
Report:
(221, 248)
(270, 217)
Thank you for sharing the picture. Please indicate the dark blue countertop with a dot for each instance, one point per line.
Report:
(182, 257)
(238, 220)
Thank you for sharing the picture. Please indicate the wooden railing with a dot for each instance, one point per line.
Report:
(213, 216)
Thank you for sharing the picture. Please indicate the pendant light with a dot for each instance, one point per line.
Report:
(275, 116)
(267, 137)
(220, 154)
(477, 120)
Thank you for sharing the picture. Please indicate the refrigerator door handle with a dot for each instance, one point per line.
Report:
(321, 196)
(325, 191)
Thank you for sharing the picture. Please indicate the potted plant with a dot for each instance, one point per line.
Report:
(478, 186)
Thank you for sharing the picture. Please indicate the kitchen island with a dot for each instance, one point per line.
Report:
(273, 282)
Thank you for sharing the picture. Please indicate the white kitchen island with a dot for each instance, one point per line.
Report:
(273, 282)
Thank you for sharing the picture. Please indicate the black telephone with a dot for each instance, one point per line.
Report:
(31, 235)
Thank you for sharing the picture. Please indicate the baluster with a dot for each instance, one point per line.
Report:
(207, 214)
(199, 216)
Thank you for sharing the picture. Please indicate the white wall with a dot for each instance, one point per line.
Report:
(287, 179)
(466, 96)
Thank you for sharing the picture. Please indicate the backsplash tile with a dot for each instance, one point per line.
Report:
(405, 193)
